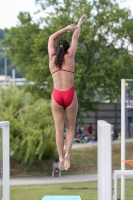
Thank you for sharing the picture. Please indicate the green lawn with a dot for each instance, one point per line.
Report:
(87, 190)
(83, 161)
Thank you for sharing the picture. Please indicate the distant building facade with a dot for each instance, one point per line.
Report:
(110, 113)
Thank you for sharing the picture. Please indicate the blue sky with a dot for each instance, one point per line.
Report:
(9, 10)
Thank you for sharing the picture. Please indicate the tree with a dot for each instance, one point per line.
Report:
(31, 125)
(102, 57)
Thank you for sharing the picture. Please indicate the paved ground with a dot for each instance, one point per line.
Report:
(84, 145)
(62, 179)
(50, 179)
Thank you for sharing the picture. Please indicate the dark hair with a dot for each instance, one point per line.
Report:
(61, 49)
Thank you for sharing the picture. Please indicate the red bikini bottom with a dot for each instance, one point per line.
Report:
(63, 98)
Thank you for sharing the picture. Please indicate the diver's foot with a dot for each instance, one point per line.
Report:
(61, 164)
(67, 162)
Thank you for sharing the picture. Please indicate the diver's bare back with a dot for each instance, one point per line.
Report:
(63, 80)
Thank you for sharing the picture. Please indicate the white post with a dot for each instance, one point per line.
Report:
(122, 137)
(6, 157)
(13, 77)
(104, 161)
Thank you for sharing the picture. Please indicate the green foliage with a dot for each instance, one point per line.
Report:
(28, 51)
(102, 57)
(32, 129)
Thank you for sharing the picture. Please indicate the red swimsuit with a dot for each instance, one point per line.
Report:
(63, 98)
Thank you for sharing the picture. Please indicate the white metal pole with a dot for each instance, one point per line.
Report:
(122, 136)
(115, 186)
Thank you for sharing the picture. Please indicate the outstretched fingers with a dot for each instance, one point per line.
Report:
(82, 19)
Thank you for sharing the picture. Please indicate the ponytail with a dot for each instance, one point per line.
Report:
(61, 49)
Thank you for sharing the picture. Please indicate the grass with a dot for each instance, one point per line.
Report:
(38, 191)
(87, 190)
(83, 161)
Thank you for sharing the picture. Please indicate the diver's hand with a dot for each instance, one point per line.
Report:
(71, 27)
(82, 19)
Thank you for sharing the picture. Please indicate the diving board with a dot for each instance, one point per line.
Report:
(59, 197)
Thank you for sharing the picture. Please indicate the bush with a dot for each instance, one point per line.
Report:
(31, 125)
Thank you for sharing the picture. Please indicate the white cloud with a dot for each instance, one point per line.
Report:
(9, 10)
(128, 4)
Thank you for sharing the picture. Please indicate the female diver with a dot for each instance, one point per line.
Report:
(64, 98)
